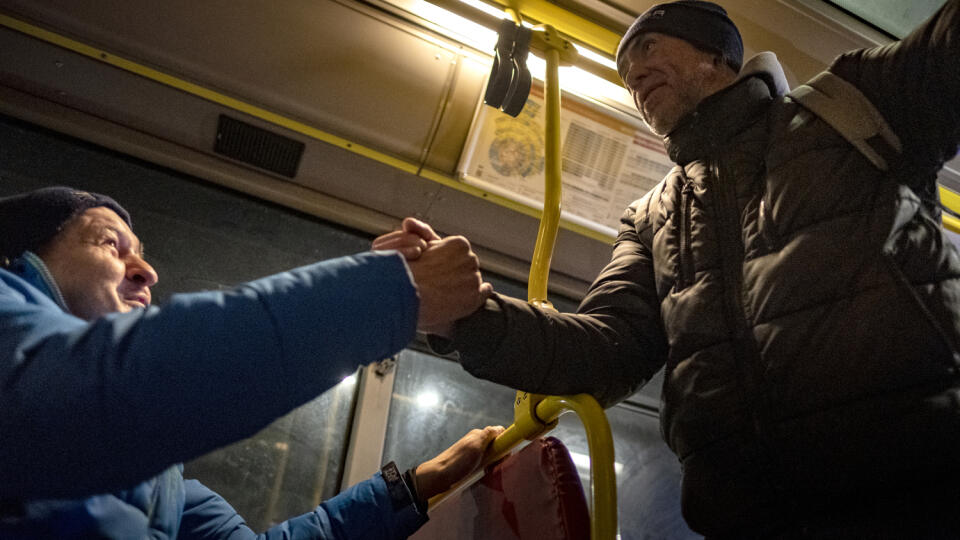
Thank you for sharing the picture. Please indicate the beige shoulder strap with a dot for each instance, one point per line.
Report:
(842, 106)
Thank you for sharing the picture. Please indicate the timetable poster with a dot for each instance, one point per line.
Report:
(607, 163)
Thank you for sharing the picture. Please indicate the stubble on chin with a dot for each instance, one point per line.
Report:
(661, 121)
(671, 113)
(658, 124)
(656, 127)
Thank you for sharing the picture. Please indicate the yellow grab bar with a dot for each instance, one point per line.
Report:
(548, 41)
(603, 480)
(951, 200)
(576, 27)
(951, 224)
(535, 414)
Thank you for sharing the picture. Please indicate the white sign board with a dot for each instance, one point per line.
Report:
(607, 161)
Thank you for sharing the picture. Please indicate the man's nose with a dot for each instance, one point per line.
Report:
(636, 71)
(139, 271)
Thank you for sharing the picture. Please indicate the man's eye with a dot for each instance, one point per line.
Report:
(112, 242)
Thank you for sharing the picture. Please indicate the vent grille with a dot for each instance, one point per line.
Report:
(258, 147)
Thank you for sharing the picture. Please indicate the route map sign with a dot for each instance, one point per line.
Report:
(608, 162)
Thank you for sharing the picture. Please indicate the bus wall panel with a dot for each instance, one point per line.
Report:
(341, 68)
(97, 93)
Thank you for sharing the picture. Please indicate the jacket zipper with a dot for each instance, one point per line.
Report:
(686, 271)
(744, 345)
(767, 226)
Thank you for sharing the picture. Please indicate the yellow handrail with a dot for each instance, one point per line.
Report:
(950, 200)
(951, 224)
(603, 480)
(576, 27)
(535, 414)
(550, 43)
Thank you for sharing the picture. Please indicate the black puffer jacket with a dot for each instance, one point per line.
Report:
(806, 304)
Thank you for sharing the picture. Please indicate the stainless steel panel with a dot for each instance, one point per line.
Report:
(333, 66)
(468, 85)
(127, 101)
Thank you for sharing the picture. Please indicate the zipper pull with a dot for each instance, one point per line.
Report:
(766, 228)
(685, 272)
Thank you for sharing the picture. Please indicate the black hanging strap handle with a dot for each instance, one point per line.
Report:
(501, 73)
(509, 84)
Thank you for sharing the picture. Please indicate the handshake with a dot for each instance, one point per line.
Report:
(445, 270)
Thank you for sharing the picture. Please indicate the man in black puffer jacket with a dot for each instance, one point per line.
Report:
(797, 287)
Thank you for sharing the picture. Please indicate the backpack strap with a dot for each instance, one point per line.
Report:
(849, 112)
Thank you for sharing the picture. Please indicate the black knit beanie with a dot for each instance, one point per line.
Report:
(704, 25)
(30, 220)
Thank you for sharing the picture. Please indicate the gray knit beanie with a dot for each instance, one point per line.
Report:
(30, 220)
(704, 25)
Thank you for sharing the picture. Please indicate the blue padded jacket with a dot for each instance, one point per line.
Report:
(95, 407)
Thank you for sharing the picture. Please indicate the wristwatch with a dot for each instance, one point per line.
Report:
(402, 489)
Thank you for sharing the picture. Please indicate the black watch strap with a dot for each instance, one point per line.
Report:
(411, 478)
(400, 495)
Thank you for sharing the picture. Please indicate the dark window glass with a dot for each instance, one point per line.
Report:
(894, 17)
(287, 468)
(435, 402)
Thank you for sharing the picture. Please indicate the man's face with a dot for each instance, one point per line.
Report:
(667, 77)
(98, 264)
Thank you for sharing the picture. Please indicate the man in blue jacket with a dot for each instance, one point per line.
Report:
(99, 390)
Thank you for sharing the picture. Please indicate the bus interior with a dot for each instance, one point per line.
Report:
(248, 137)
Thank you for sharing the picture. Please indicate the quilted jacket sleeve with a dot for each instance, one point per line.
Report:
(914, 85)
(613, 344)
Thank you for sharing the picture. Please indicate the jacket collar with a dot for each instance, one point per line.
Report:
(721, 116)
(31, 269)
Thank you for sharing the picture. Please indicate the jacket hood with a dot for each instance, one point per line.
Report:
(726, 113)
(32, 269)
(766, 66)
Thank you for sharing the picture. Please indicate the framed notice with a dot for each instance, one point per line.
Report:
(608, 160)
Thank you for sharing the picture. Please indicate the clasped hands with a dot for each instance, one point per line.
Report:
(446, 272)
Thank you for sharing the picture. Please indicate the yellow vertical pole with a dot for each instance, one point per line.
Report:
(549, 223)
(535, 414)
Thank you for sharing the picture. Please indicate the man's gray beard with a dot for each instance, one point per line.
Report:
(660, 131)
(664, 127)
(660, 128)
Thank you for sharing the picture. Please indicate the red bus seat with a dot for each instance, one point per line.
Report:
(534, 494)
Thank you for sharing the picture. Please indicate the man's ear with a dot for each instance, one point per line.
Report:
(722, 66)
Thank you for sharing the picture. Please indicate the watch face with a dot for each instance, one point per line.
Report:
(390, 472)
(399, 494)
